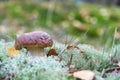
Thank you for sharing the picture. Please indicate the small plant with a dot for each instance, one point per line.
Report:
(24, 67)
(84, 56)
(55, 67)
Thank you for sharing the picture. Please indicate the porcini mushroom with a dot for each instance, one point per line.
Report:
(34, 42)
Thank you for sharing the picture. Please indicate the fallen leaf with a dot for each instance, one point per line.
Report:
(70, 47)
(52, 52)
(84, 75)
(12, 51)
(55, 53)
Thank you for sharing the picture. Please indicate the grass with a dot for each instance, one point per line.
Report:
(84, 57)
(89, 24)
(95, 21)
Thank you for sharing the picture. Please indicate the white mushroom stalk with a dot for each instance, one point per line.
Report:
(36, 51)
(34, 42)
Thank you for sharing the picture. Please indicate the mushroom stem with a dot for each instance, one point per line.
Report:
(36, 51)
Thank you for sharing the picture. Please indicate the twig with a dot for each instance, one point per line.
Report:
(70, 62)
(105, 71)
(112, 69)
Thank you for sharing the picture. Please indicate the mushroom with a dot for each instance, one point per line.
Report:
(34, 42)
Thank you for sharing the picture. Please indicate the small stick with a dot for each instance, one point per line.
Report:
(112, 69)
(70, 62)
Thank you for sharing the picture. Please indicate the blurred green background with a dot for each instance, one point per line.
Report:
(95, 22)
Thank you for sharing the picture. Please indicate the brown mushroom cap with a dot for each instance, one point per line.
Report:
(33, 39)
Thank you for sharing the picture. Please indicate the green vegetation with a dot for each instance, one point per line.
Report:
(86, 22)
(76, 30)
(25, 68)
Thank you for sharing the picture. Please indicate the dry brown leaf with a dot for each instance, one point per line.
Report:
(52, 52)
(55, 53)
(70, 47)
